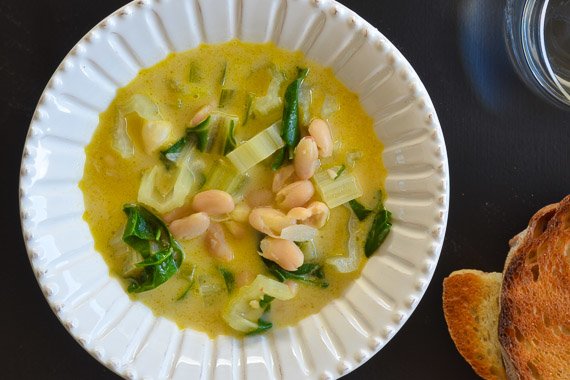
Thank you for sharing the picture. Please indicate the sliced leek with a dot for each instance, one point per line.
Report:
(351, 262)
(256, 149)
(337, 191)
(157, 192)
(271, 101)
(241, 313)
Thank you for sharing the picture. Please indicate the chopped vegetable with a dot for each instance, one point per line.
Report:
(290, 122)
(190, 277)
(174, 153)
(202, 134)
(223, 74)
(194, 73)
(262, 326)
(248, 104)
(149, 236)
(378, 231)
(226, 97)
(130, 268)
(351, 262)
(224, 176)
(336, 171)
(309, 273)
(290, 127)
(122, 143)
(155, 133)
(330, 106)
(359, 210)
(229, 279)
(256, 149)
(240, 314)
(271, 101)
(353, 157)
(337, 191)
(210, 287)
(298, 232)
(309, 250)
(305, 100)
(230, 139)
(143, 106)
(158, 191)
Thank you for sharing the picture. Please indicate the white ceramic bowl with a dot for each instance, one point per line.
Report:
(125, 335)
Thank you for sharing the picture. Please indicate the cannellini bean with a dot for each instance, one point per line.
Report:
(299, 213)
(177, 213)
(241, 212)
(190, 227)
(319, 214)
(259, 197)
(321, 132)
(283, 252)
(269, 221)
(315, 214)
(282, 177)
(201, 115)
(213, 202)
(155, 133)
(244, 278)
(216, 243)
(306, 159)
(295, 195)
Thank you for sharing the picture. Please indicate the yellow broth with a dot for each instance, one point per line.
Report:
(110, 181)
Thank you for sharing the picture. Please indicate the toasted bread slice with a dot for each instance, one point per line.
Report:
(471, 308)
(534, 319)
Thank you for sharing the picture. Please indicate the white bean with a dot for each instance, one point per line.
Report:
(190, 227)
(295, 195)
(216, 243)
(213, 202)
(320, 131)
(282, 177)
(283, 252)
(319, 214)
(306, 159)
(243, 278)
(259, 198)
(269, 221)
(155, 133)
(177, 213)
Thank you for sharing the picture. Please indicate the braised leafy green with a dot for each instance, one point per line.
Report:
(359, 210)
(378, 231)
(229, 279)
(309, 273)
(290, 131)
(149, 236)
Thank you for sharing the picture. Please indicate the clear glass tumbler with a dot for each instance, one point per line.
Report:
(537, 34)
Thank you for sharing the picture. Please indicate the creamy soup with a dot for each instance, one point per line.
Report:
(235, 186)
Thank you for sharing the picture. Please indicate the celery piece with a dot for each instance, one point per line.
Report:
(224, 176)
(248, 104)
(337, 191)
(256, 149)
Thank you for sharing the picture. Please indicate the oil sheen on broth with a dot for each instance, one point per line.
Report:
(180, 86)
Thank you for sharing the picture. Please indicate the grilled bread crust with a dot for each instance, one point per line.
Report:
(471, 308)
(534, 318)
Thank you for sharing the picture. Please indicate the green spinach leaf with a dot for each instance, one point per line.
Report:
(309, 273)
(229, 279)
(262, 326)
(378, 231)
(359, 210)
(149, 236)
